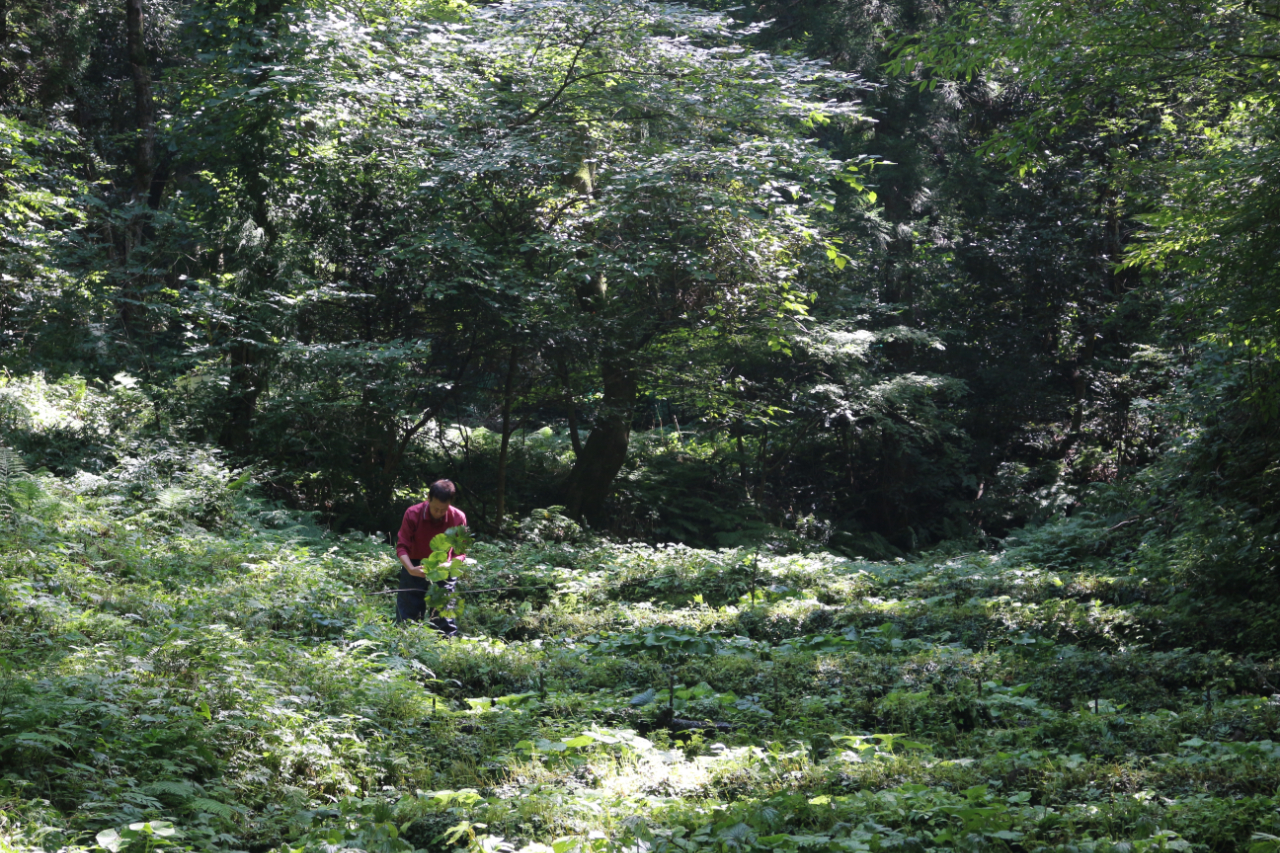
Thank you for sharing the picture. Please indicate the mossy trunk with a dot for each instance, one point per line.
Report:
(605, 451)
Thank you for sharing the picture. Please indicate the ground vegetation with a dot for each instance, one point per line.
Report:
(187, 666)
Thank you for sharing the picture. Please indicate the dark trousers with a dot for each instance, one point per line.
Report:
(412, 604)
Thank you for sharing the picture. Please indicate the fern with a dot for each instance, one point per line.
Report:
(213, 807)
(12, 466)
(13, 470)
(174, 499)
(182, 790)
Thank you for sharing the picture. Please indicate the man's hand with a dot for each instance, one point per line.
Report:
(409, 567)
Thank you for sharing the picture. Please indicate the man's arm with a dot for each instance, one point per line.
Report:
(409, 567)
(407, 528)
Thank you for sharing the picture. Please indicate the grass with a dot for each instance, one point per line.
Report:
(171, 681)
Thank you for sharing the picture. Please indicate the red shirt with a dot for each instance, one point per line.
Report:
(419, 528)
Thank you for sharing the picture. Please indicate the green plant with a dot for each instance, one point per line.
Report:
(141, 836)
(16, 490)
(445, 563)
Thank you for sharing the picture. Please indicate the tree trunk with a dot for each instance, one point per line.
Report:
(571, 404)
(742, 463)
(144, 162)
(605, 452)
(5, 76)
(1079, 394)
(761, 471)
(247, 386)
(249, 370)
(506, 438)
(130, 303)
(574, 438)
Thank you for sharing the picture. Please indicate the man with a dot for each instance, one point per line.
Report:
(423, 522)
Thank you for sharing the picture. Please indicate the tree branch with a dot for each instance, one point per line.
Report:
(403, 444)
(568, 78)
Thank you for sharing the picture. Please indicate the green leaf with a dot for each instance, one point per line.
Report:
(37, 738)
(111, 840)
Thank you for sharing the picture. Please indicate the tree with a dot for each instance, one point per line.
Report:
(593, 176)
(692, 189)
(1012, 271)
(1180, 104)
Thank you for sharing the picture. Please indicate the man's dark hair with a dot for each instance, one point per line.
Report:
(443, 490)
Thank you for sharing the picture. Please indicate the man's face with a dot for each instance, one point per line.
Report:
(437, 508)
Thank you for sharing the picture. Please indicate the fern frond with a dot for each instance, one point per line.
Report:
(12, 471)
(175, 789)
(174, 499)
(213, 807)
(12, 466)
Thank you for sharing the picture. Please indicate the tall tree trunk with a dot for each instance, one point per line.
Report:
(571, 406)
(506, 437)
(249, 371)
(144, 159)
(144, 167)
(761, 467)
(246, 387)
(605, 452)
(574, 438)
(1079, 394)
(742, 462)
(5, 77)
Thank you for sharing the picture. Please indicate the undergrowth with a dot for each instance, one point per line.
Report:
(183, 666)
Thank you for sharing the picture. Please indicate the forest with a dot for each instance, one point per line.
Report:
(866, 415)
